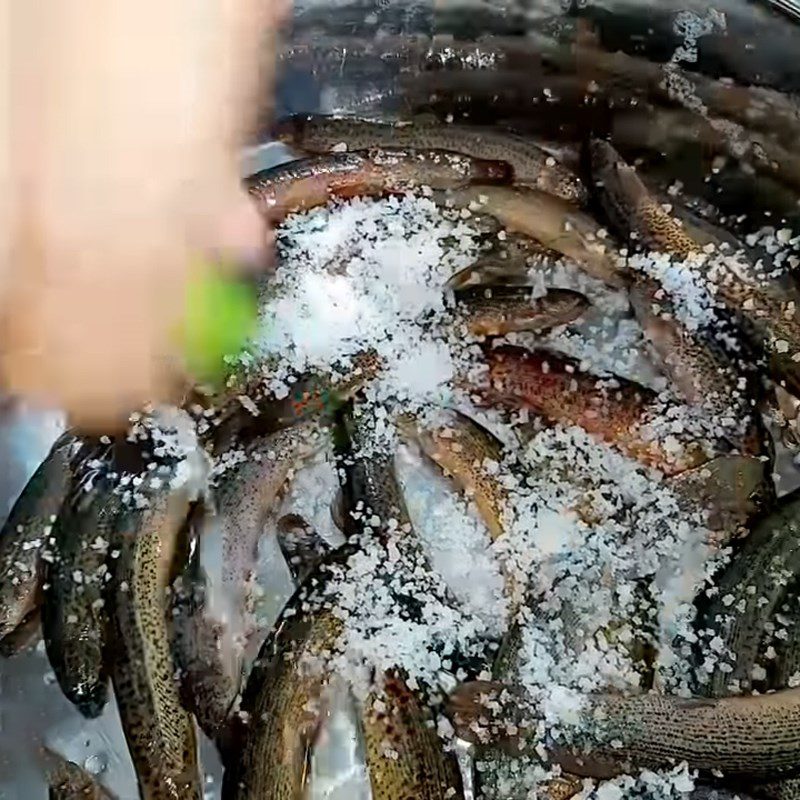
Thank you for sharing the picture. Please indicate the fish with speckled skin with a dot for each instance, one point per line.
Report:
(739, 614)
(67, 781)
(695, 363)
(74, 613)
(630, 206)
(160, 733)
(209, 677)
(405, 756)
(471, 455)
(554, 387)
(311, 182)
(282, 704)
(733, 490)
(532, 165)
(244, 496)
(497, 310)
(26, 533)
(757, 736)
(556, 224)
(768, 315)
(284, 701)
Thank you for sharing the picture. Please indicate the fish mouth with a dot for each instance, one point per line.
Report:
(90, 700)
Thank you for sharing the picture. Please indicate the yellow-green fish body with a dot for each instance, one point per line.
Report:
(27, 531)
(405, 756)
(282, 704)
(472, 456)
(160, 734)
(532, 165)
(74, 613)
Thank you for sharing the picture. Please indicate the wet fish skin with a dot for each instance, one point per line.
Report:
(753, 736)
(209, 682)
(160, 734)
(554, 223)
(555, 388)
(74, 615)
(464, 449)
(68, 781)
(497, 310)
(311, 397)
(532, 165)
(695, 364)
(281, 705)
(27, 530)
(301, 545)
(769, 554)
(733, 489)
(514, 260)
(371, 484)
(630, 206)
(698, 367)
(421, 768)
(310, 182)
(767, 315)
(244, 496)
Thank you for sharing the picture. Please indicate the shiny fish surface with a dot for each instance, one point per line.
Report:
(281, 707)
(160, 734)
(416, 764)
(74, 612)
(554, 223)
(757, 736)
(532, 165)
(497, 310)
(470, 454)
(768, 316)
(697, 366)
(209, 678)
(27, 531)
(244, 496)
(555, 388)
(738, 613)
(310, 182)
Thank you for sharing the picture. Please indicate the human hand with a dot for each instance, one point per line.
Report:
(122, 131)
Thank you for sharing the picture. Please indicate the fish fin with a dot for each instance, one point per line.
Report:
(308, 733)
(301, 545)
(338, 510)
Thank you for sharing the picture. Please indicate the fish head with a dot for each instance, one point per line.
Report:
(603, 157)
(612, 174)
(290, 130)
(564, 305)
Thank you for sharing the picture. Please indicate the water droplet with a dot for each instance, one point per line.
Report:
(95, 764)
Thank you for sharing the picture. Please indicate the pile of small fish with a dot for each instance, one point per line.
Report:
(102, 549)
